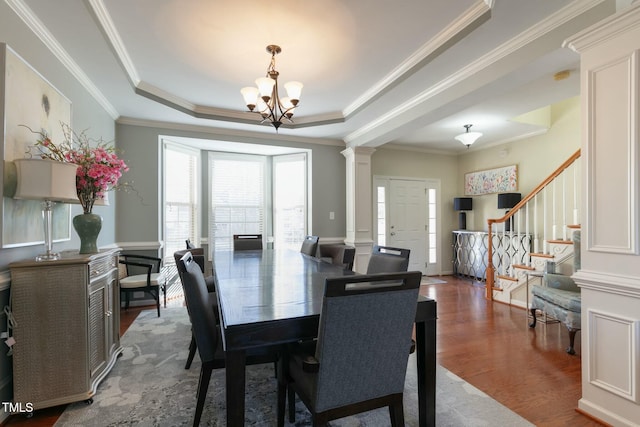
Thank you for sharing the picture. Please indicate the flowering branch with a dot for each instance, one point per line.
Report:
(99, 168)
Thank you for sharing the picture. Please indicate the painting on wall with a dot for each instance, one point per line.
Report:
(28, 99)
(498, 180)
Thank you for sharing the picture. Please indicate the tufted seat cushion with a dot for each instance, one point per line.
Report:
(140, 280)
(566, 299)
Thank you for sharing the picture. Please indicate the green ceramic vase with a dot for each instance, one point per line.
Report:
(88, 227)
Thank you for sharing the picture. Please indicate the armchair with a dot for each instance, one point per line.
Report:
(141, 273)
(559, 296)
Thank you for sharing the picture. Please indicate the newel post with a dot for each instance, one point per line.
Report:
(489, 270)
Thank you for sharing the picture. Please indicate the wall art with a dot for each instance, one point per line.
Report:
(27, 98)
(498, 180)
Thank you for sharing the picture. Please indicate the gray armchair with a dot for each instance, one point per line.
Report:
(560, 297)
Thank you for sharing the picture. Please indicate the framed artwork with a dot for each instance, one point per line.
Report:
(27, 98)
(498, 180)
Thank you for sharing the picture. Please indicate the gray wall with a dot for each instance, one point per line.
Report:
(86, 114)
(140, 213)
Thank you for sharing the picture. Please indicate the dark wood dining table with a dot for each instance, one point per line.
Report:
(273, 297)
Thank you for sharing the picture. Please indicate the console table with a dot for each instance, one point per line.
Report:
(67, 327)
(470, 257)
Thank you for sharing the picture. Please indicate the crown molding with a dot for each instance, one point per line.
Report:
(474, 16)
(104, 18)
(606, 29)
(549, 24)
(40, 30)
(228, 134)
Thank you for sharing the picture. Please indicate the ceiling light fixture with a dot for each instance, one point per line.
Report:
(468, 138)
(264, 99)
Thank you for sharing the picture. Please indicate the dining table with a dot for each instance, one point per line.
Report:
(273, 297)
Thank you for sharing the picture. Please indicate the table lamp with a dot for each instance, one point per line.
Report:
(462, 204)
(508, 201)
(50, 182)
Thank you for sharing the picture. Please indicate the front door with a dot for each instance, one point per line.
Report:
(407, 226)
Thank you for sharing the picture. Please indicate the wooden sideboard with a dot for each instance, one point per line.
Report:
(67, 327)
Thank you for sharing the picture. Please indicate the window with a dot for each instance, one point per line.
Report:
(381, 215)
(181, 191)
(237, 195)
(289, 200)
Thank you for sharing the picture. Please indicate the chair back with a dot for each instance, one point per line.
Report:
(339, 254)
(200, 306)
(247, 242)
(189, 244)
(364, 337)
(310, 245)
(197, 257)
(385, 259)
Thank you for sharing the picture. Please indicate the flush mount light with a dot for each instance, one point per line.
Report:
(468, 138)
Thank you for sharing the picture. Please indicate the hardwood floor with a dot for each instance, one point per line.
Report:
(487, 344)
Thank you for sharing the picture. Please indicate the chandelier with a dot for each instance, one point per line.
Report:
(264, 99)
(468, 138)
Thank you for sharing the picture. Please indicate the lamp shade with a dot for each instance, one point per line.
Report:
(41, 179)
(508, 200)
(462, 203)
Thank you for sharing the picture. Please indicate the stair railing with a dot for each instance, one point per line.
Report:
(542, 214)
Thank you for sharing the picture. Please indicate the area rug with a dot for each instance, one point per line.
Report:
(149, 386)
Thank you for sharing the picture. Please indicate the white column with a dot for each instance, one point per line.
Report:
(359, 204)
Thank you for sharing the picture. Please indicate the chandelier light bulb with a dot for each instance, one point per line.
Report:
(250, 95)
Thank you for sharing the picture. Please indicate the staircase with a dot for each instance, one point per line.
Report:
(545, 219)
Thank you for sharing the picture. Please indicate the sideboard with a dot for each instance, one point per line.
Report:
(470, 256)
(67, 328)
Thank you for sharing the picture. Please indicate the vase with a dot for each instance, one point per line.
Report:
(88, 227)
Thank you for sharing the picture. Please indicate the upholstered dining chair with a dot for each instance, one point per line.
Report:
(201, 306)
(247, 242)
(385, 259)
(341, 376)
(142, 273)
(310, 245)
(337, 254)
(210, 282)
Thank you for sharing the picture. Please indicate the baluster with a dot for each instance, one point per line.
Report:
(564, 206)
(545, 215)
(536, 238)
(554, 224)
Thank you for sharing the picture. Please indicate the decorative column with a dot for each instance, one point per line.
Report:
(359, 204)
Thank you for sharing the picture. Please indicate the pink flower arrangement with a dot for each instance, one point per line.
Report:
(99, 168)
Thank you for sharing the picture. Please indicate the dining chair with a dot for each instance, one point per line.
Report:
(310, 245)
(210, 282)
(201, 308)
(337, 254)
(343, 376)
(247, 242)
(386, 259)
(141, 273)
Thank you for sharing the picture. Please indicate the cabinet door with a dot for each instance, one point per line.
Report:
(112, 315)
(98, 344)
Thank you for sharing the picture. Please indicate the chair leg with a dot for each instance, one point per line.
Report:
(164, 292)
(126, 300)
(572, 338)
(396, 413)
(533, 315)
(292, 405)
(203, 385)
(192, 351)
(282, 393)
(158, 300)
